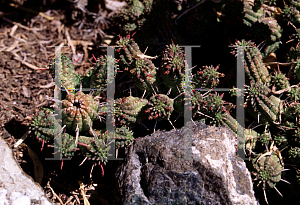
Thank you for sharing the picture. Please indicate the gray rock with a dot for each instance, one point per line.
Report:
(16, 187)
(160, 169)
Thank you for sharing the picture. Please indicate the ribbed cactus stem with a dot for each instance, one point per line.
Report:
(137, 65)
(123, 136)
(128, 109)
(160, 107)
(45, 125)
(93, 148)
(267, 169)
(254, 67)
(69, 78)
(79, 109)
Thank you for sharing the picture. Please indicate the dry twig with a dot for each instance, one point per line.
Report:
(53, 192)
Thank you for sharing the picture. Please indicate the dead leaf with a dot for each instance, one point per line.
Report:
(38, 167)
(271, 58)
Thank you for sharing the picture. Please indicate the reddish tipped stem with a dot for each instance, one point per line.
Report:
(43, 143)
(94, 57)
(76, 60)
(82, 144)
(102, 170)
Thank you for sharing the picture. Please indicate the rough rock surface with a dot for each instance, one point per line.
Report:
(158, 169)
(16, 187)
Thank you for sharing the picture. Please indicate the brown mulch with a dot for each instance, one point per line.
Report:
(27, 85)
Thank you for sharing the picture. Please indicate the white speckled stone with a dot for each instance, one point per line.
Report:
(16, 187)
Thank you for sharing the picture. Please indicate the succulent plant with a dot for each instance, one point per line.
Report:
(93, 148)
(294, 93)
(270, 48)
(271, 95)
(294, 154)
(259, 19)
(266, 29)
(136, 65)
(259, 100)
(123, 137)
(172, 68)
(271, 98)
(128, 109)
(160, 107)
(297, 69)
(251, 16)
(207, 105)
(97, 76)
(45, 125)
(267, 171)
(228, 121)
(134, 14)
(69, 79)
(293, 54)
(280, 81)
(254, 67)
(207, 77)
(142, 16)
(280, 140)
(291, 13)
(79, 111)
(67, 146)
(251, 138)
